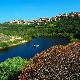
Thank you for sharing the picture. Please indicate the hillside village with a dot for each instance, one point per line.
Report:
(46, 20)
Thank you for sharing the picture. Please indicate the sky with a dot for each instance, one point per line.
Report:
(34, 9)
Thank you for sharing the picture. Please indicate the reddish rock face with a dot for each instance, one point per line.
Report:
(56, 63)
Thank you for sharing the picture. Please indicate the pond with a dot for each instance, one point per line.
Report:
(30, 49)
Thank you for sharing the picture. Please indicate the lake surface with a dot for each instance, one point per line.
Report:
(27, 50)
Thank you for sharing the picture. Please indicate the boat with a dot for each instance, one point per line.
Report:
(36, 46)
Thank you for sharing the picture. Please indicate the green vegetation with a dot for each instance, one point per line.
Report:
(11, 67)
(70, 28)
(64, 28)
(8, 41)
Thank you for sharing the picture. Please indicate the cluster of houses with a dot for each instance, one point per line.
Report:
(46, 20)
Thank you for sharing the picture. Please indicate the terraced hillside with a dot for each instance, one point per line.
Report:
(56, 63)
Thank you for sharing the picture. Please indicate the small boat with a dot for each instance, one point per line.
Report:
(36, 46)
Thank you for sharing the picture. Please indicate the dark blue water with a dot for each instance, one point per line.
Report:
(27, 50)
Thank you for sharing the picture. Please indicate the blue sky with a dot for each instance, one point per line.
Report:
(33, 9)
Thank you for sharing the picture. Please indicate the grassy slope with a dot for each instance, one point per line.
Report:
(8, 41)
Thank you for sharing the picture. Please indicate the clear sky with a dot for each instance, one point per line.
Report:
(33, 9)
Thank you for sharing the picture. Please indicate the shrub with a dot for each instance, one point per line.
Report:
(11, 67)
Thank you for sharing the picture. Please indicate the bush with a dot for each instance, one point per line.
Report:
(11, 67)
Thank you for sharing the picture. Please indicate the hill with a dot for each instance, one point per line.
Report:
(46, 20)
(61, 26)
(56, 63)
